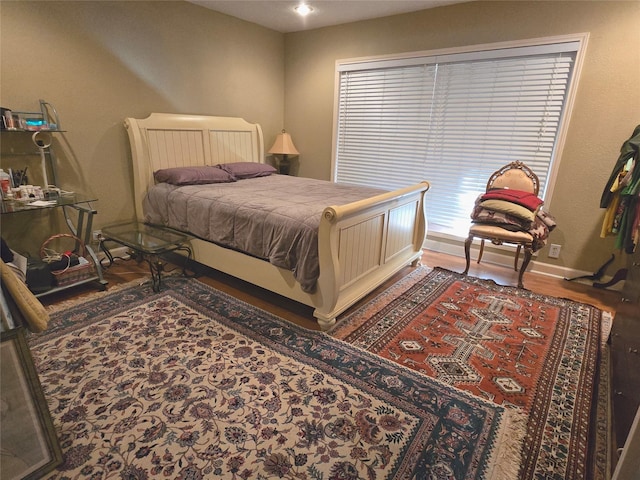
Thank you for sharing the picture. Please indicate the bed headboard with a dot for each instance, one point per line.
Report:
(165, 140)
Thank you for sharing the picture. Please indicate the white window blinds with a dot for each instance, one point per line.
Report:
(451, 120)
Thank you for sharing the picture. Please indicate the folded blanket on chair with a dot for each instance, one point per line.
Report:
(510, 208)
(526, 199)
(539, 228)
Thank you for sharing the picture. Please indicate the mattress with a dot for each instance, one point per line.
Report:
(275, 218)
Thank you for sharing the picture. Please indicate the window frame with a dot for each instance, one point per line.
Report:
(489, 50)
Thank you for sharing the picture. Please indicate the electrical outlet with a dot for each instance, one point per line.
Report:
(554, 250)
(96, 235)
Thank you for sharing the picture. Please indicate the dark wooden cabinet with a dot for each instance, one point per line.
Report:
(625, 354)
(631, 290)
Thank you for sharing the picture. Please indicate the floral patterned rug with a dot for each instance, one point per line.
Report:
(190, 383)
(526, 351)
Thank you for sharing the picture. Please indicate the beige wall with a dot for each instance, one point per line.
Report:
(99, 62)
(606, 110)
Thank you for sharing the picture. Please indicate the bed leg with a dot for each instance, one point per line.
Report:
(326, 324)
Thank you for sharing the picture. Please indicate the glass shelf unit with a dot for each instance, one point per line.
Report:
(76, 207)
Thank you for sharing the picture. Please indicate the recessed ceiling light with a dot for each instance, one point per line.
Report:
(303, 9)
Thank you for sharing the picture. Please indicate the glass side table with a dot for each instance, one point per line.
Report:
(149, 242)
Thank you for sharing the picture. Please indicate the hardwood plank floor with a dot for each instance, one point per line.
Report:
(130, 270)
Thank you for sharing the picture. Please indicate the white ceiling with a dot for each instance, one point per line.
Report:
(280, 16)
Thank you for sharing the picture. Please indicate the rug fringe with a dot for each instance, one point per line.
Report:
(605, 327)
(506, 460)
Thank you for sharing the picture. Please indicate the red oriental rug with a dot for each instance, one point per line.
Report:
(535, 353)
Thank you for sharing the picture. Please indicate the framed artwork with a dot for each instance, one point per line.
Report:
(28, 443)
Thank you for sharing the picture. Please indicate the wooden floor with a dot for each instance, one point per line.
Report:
(126, 271)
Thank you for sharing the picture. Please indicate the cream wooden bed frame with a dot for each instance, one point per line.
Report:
(361, 244)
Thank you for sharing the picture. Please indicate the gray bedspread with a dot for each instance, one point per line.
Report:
(275, 218)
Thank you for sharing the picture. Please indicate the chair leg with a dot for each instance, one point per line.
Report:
(528, 253)
(515, 262)
(481, 251)
(467, 253)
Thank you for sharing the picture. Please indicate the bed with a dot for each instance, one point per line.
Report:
(360, 244)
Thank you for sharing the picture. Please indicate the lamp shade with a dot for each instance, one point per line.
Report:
(284, 145)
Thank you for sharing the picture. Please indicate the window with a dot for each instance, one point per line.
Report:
(453, 119)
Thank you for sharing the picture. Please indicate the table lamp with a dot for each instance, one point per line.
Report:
(284, 146)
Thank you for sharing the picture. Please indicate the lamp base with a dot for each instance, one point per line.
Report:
(284, 166)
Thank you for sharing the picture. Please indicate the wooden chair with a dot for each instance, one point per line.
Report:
(517, 176)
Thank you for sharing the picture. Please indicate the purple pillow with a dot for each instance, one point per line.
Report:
(192, 175)
(247, 169)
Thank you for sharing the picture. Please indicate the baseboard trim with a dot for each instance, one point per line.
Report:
(118, 252)
(505, 258)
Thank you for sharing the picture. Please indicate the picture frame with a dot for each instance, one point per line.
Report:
(29, 446)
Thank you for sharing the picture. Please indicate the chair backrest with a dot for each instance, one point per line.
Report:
(515, 175)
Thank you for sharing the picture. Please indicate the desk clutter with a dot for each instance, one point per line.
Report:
(28, 193)
(40, 125)
(65, 256)
(63, 261)
(46, 119)
(14, 186)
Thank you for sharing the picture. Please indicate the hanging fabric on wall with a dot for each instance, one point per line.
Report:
(621, 197)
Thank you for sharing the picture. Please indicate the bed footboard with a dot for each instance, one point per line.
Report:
(360, 245)
(364, 243)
